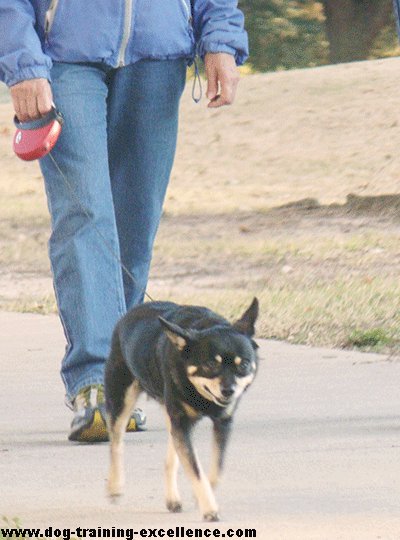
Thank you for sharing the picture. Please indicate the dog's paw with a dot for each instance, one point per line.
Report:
(115, 489)
(174, 506)
(211, 516)
(114, 498)
(213, 482)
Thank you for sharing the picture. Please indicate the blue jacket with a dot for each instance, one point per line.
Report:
(115, 32)
(396, 4)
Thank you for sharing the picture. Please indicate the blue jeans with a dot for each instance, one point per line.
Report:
(116, 150)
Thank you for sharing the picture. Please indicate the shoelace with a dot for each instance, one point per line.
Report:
(92, 395)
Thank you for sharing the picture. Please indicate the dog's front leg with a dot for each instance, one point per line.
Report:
(173, 499)
(116, 480)
(180, 431)
(221, 433)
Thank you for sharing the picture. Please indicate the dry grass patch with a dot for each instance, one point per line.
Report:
(326, 267)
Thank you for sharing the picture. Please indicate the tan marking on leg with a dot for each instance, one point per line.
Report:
(200, 485)
(215, 472)
(172, 497)
(116, 478)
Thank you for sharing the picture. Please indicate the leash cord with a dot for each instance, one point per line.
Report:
(196, 80)
(100, 234)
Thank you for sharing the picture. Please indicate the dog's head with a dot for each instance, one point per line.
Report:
(220, 361)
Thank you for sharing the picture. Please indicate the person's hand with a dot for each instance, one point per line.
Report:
(32, 99)
(222, 78)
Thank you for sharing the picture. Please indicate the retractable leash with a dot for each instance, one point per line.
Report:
(34, 140)
(196, 80)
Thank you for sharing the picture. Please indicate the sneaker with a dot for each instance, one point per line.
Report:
(89, 422)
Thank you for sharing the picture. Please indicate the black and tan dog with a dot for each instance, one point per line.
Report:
(196, 364)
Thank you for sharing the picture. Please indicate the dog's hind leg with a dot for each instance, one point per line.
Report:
(180, 432)
(116, 428)
(121, 391)
(221, 432)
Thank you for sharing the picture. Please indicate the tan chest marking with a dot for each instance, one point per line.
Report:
(192, 413)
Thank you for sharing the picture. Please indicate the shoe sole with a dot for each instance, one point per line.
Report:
(96, 431)
(132, 426)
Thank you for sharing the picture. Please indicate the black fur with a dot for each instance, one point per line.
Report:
(195, 363)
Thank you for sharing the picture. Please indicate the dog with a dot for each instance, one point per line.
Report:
(196, 364)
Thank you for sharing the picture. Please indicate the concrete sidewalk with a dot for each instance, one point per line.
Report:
(315, 452)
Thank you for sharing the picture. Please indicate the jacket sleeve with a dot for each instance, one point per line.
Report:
(219, 27)
(396, 5)
(21, 54)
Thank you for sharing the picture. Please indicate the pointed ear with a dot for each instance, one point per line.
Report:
(180, 337)
(245, 325)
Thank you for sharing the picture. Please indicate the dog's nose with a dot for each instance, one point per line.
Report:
(228, 391)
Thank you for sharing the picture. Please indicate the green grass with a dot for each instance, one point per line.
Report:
(370, 339)
(10, 523)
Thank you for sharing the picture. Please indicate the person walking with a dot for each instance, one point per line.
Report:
(116, 72)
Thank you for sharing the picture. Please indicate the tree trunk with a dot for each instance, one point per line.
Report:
(353, 25)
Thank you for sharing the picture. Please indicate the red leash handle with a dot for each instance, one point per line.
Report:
(35, 139)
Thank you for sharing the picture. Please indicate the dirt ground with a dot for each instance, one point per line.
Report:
(296, 184)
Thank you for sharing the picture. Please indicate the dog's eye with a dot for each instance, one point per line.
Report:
(212, 365)
(244, 367)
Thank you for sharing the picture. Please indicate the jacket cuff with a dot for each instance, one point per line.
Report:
(205, 47)
(25, 73)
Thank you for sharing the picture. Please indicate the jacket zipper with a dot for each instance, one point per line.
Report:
(126, 33)
(188, 11)
(49, 20)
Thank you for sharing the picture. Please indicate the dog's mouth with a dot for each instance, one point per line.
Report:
(223, 402)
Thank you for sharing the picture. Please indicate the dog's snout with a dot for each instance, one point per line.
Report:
(228, 391)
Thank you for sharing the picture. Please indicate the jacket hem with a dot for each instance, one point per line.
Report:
(143, 56)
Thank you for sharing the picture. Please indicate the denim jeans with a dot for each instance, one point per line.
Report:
(116, 151)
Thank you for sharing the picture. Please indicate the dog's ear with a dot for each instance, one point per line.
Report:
(180, 337)
(245, 325)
